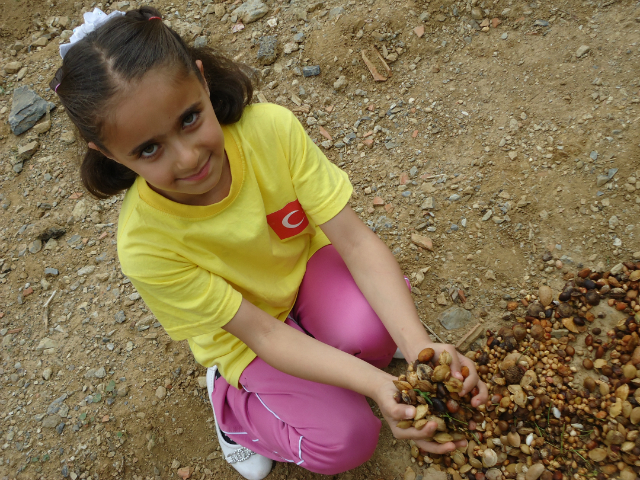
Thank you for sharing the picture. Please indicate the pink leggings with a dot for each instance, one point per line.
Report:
(322, 428)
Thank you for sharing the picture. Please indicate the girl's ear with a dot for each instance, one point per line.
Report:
(93, 146)
(201, 68)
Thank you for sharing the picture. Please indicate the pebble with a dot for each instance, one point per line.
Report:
(84, 271)
(455, 317)
(340, 83)
(51, 272)
(46, 373)
(161, 392)
(100, 373)
(27, 108)
(311, 71)
(268, 50)
(582, 50)
(35, 246)
(251, 11)
(120, 317)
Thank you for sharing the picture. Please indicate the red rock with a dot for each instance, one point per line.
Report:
(495, 22)
(27, 291)
(103, 235)
(378, 201)
(324, 133)
(419, 31)
(185, 472)
(370, 209)
(371, 107)
(414, 134)
(404, 179)
(368, 134)
(485, 23)
(75, 196)
(368, 142)
(106, 418)
(389, 207)
(621, 306)
(422, 241)
(1, 314)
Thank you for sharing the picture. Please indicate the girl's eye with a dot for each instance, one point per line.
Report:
(190, 119)
(149, 151)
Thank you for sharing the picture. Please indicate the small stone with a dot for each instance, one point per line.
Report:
(46, 343)
(251, 11)
(161, 392)
(455, 317)
(35, 246)
(311, 71)
(185, 472)
(490, 275)
(428, 204)
(582, 50)
(51, 272)
(200, 42)
(87, 270)
(26, 110)
(441, 299)
(120, 317)
(100, 373)
(476, 13)
(46, 374)
(27, 151)
(175, 464)
(60, 428)
(12, 67)
(51, 421)
(334, 12)
(422, 241)
(340, 83)
(268, 50)
(290, 48)
(67, 138)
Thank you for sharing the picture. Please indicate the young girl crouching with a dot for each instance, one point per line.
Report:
(237, 233)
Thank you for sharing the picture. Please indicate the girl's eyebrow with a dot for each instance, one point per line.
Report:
(193, 107)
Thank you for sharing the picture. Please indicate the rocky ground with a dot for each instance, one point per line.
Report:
(500, 154)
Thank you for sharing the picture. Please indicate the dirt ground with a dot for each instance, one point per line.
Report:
(488, 138)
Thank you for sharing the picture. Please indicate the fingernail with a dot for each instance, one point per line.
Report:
(408, 413)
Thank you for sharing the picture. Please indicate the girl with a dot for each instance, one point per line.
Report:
(237, 233)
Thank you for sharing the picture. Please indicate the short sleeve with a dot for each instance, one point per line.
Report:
(322, 188)
(186, 299)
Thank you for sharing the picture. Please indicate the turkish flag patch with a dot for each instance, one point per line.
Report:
(288, 221)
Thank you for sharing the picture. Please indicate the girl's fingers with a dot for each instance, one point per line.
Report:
(455, 363)
(440, 448)
(472, 380)
(482, 396)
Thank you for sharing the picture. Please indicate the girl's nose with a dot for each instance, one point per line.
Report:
(188, 157)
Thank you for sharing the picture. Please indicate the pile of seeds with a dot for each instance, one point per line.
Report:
(541, 421)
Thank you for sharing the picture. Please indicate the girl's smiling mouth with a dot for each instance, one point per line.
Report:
(204, 171)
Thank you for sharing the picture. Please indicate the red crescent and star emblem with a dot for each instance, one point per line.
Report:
(288, 221)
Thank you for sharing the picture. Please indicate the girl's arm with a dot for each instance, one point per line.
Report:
(377, 274)
(302, 356)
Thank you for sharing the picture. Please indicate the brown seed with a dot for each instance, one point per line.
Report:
(600, 352)
(452, 405)
(426, 355)
(589, 383)
(464, 371)
(596, 331)
(587, 363)
(588, 340)
(537, 332)
(570, 351)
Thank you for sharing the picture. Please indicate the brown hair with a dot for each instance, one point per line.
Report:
(123, 50)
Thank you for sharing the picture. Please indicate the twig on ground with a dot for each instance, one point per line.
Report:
(45, 315)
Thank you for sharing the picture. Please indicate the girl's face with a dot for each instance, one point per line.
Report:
(164, 129)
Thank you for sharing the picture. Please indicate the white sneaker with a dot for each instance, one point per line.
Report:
(398, 354)
(247, 463)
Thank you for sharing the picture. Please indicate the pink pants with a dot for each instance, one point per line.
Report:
(322, 428)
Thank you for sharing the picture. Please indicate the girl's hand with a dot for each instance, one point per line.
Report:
(457, 362)
(394, 412)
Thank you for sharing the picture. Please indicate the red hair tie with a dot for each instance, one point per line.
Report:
(152, 18)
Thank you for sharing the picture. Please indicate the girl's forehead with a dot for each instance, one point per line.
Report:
(151, 106)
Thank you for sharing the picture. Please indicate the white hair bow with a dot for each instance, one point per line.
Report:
(92, 20)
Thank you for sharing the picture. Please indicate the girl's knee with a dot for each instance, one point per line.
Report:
(344, 449)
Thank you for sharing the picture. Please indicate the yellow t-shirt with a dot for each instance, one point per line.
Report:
(192, 265)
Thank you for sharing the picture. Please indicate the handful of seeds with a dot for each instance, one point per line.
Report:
(548, 416)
